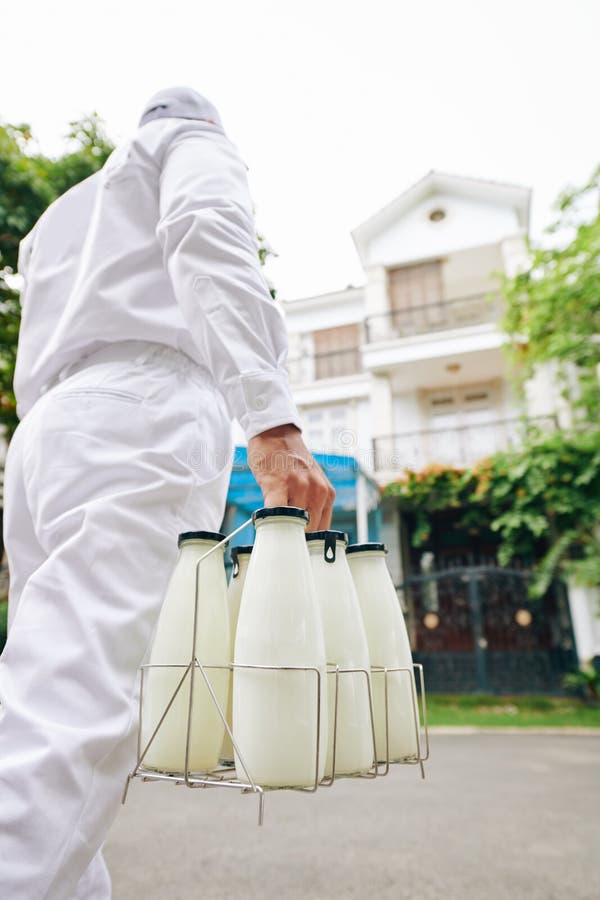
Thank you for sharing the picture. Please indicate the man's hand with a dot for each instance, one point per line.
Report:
(288, 474)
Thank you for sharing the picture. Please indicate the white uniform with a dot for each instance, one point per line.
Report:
(147, 325)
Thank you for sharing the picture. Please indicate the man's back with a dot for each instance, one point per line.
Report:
(94, 267)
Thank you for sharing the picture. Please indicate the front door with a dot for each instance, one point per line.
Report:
(463, 424)
(474, 629)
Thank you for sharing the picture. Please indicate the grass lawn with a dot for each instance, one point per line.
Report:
(521, 711)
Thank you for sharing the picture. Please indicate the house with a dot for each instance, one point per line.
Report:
(407, 370)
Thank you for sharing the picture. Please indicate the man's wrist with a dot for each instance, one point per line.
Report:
(279, 431)
(265, 402)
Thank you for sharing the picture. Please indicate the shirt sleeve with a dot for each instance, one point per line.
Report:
(207, 233)
(23, 257)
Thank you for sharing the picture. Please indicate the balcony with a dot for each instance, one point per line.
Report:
(442, 316)
(317, 366)
(461, 446)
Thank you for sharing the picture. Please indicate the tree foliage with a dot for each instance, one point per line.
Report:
(29, 182)
(553, 308)
(547, 494)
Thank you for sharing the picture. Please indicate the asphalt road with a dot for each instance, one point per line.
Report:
(499, 817)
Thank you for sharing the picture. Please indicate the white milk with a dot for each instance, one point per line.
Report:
(240, 557)
(173, 644)
(346, 646)
(275, 713)
(388, 646)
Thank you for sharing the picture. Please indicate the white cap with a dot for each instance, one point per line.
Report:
(181, 103)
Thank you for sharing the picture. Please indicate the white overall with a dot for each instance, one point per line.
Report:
(142, 291)
(129, 448)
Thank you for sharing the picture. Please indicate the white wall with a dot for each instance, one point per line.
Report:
(468, 223)
(469, 272)
(407, 413)
(542, 393)
(390, 535)
(364, 445)
(327, 311)
(585, 606)
(514, 255)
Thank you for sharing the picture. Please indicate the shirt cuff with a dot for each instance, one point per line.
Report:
(265, 401)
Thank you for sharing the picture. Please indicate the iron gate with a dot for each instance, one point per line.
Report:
(475, 629)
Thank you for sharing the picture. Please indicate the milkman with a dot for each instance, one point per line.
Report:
(147, 327)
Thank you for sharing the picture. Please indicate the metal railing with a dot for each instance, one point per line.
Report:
(316, 366)
(432, 317)
(471, 310)
(457, 446)
(475, 628)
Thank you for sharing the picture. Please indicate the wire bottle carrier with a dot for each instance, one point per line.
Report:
(225, 776)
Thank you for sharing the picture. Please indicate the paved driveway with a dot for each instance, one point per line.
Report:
(499, 817)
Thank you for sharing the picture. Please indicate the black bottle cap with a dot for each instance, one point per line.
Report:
(293, 511)
(199, 536)
(330, 538)
(363, 548)
(324, 535)
(241, 550)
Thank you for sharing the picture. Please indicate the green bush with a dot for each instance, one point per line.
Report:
(587, 680)
(549, 490)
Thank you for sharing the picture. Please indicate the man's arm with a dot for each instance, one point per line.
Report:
(24, 254)
(206, 229)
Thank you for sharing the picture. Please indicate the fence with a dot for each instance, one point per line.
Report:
(474, 629)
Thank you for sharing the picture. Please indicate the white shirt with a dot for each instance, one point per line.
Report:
(158, 245)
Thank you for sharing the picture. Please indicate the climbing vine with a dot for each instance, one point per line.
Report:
(547, 492)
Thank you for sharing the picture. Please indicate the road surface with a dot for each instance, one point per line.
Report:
(499, 817)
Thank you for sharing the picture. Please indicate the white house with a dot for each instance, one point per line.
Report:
(408, 369)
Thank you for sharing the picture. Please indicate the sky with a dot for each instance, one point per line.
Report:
(336, 106)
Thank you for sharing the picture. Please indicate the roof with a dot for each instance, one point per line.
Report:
(514, 195)
(341, 296)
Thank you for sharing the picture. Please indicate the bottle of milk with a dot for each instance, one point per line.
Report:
(173, 645)
(346, 647)
(276, 719)
(388, 646)
(240, 557)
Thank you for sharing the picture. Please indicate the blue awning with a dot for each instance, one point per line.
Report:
(342, 471)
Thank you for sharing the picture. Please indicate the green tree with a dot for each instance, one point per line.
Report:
(553, 317)
(542, 501)
(553, 308)
(29, 182)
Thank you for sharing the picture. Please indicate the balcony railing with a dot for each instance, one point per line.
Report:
(400, 323)
(459, 446)
(314, 367)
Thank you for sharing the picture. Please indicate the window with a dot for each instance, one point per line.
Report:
(437, 215)
(468, 417)
(331, 429)
(416, 296)
(337, 351)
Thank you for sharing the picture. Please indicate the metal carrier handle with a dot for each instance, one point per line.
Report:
(221, 777)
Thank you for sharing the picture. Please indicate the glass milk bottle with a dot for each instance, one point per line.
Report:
(346, 647)
(276, 719)
(240, 557)
(173, 645)
(388, 646)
